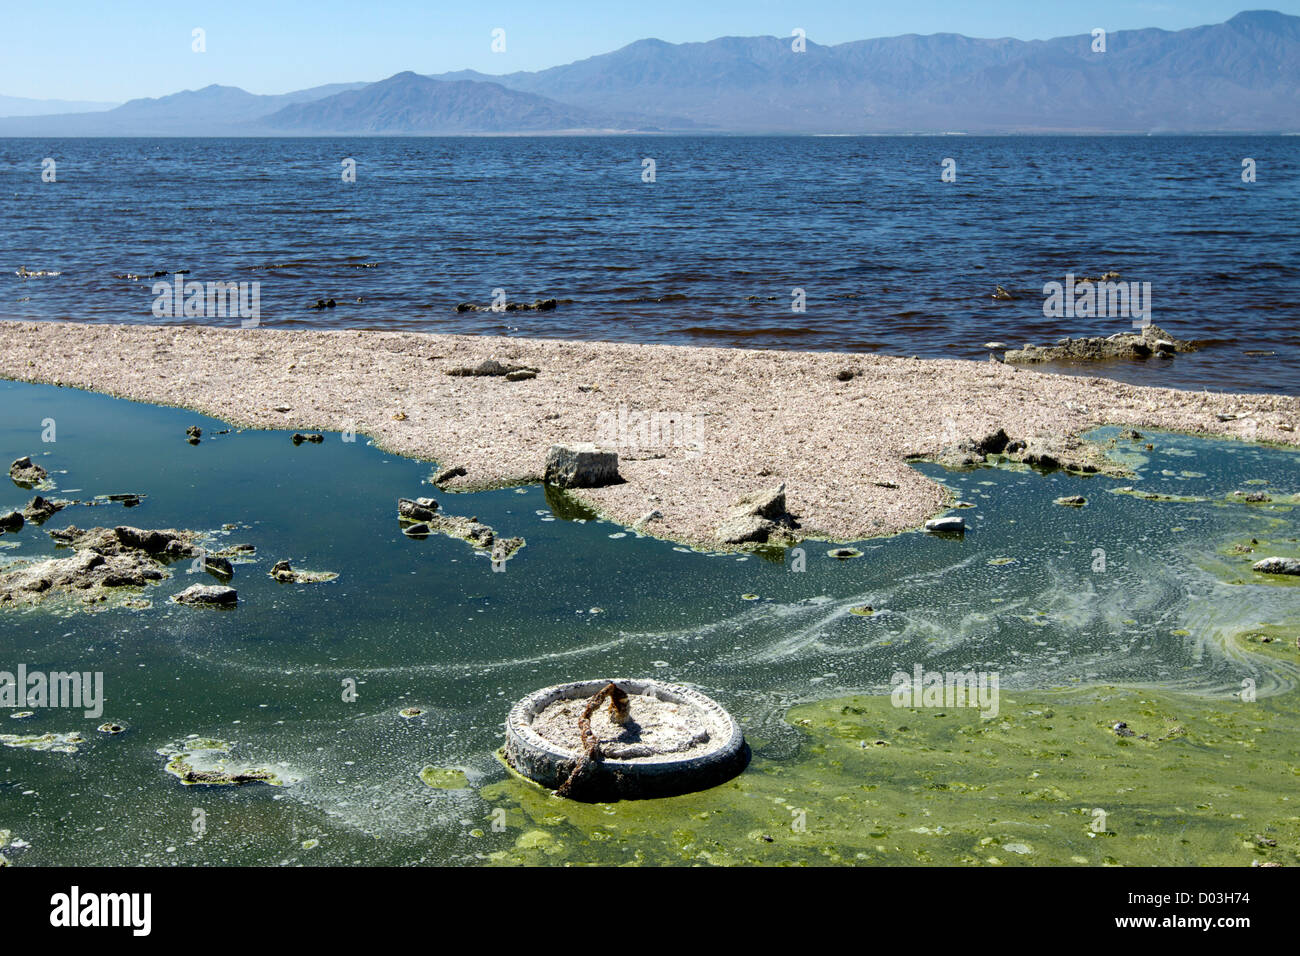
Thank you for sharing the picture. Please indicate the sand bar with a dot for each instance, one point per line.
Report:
(721, 422)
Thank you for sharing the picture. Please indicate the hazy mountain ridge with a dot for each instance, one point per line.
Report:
(1242, 75)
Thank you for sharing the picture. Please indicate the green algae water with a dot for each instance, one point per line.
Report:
(375, 700)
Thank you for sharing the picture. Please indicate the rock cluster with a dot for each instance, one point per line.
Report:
(538, 305)
(492, 368)
(1068, 454)
(104, 558)
(1122, 345)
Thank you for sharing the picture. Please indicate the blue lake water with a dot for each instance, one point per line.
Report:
(891, 258)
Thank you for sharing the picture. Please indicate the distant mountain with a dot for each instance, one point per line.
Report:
(20, 106)
(211, 111)
(1239, 76)
(409, 103)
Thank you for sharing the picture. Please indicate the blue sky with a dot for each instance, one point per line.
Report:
(98, 50)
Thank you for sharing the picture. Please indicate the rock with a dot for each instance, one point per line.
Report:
(216, 565)
(13, 521)
(539, 305)
(746, 529)
(757, 518)
(40, 509)
(25, 472)
(85, 574)
(447, 474)
(845, 375)
(470, 530)
(298, 438)
(418, 509)
(285, 573)
(581, 465)
(491, 367)
(167, 543)
(970, 452)
(207, 595)
(646, 518)
(1123, 345)
(193, 434)
(1002, 294)
(1073, 501)
(769, 503)
(996, 346)
(1278, 566)
(949, 525)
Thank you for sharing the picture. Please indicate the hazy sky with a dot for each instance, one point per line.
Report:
(102, 50)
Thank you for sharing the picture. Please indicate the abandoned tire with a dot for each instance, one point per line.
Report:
(676, 741)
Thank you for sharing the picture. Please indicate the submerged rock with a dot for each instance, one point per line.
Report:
(1278, 566)
(1072, 501)
(581, 465)
(54, 743)
(471, 530)
(204, 761)
(193, 434)
(207, 595)
(538, 305)
(444, 778)
(27, 473)
(285, 573)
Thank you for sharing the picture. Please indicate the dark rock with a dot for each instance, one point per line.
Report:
(13, 521)
(41, 509)
(418, 509)
(298, 438)
(947, 525)
(447, 474)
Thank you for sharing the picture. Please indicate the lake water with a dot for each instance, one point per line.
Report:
(429, 624)
(891, 258)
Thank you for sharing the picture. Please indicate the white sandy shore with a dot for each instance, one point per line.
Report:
(764, 417)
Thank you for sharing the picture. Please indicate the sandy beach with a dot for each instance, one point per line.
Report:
(696, 428)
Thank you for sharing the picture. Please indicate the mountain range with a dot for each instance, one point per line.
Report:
(1238, 76)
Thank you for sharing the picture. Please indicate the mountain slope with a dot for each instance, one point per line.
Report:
(409, 103)
(1239, 75)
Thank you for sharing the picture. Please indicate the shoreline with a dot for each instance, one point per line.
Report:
(756, 418)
